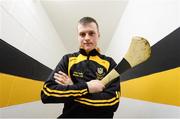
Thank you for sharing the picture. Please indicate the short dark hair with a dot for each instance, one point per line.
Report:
(87, 20)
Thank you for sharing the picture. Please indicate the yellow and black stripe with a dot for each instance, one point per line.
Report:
(158, 79)
(165, 56)
(21, 76)
(17, 63)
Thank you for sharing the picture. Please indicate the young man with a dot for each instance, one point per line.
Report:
(76, 79)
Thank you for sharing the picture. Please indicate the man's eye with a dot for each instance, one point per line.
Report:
(91, 33)
(82, 34)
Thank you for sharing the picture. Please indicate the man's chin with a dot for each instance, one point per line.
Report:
(88, 49)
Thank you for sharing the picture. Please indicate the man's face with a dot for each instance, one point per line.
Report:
(88, 36)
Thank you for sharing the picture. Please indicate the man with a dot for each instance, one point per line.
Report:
(76, 79)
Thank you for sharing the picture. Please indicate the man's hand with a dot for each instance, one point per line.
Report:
(95, 86)
(62, 78)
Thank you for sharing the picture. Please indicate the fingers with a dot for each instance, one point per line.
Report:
(63, 74)
(57, 81)
(62, 78)
(59, 78)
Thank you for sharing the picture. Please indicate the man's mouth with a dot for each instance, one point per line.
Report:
(87, 43)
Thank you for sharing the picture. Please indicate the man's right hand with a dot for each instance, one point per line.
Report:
(95, 86)
(62, 78)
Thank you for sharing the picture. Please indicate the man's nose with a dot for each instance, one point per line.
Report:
(87, 37)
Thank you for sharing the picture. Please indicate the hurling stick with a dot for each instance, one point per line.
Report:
(138, 52)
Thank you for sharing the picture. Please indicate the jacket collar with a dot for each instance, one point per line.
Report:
(93, 52)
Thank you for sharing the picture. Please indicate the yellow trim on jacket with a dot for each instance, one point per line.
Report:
(107, 102)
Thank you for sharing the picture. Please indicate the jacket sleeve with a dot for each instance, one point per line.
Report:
(108, 100)
(53, 92)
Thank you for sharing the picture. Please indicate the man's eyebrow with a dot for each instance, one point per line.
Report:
(82, 32)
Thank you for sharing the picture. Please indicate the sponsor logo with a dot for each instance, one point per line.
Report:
(78, 74)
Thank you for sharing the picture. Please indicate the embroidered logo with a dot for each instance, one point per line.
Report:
(100, 73)
(100, 70)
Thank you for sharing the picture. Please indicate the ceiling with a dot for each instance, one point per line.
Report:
(65, 14)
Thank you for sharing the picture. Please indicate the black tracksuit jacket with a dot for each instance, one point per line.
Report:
(78, 102)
